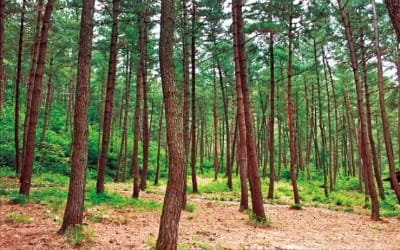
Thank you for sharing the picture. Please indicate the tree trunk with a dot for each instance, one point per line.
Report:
(173, 201)
(26, 174)
(49, 97)
(271, 118)
(160, 128)
(292, 144)
(374, 156)
(393, 7)
(73, 214)
(129, 65)
(31, 79)
(2, 66)
(193, 124)
(145, 121)
(361, 115)
(109, 105)
(215, 123)
(17, 89)
(246, 128)
(385, 120)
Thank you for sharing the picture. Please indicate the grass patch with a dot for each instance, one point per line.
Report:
(18, 218)
(17, 198)
(190, 208)
(116, 200)
(79, 234)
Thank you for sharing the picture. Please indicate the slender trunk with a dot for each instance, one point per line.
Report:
(215, 119)
(369, 117)
(193, 124)
(247, 127)
(321, 123)
(76, 194)
(271, 119)
(26, 174)
(129, 65)
(48, 101)
(31, 79)
(385, 120)
(146, 131)
(160, 124)
(361, 114)
(241, 123)
(292, 135)
(17, 90)
(109, 102)
(2, 66)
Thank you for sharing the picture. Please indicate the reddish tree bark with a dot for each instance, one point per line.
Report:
(193, 154)
(17, 90)
(393, 7)
(73, 214)
(26, 174)
(109, 105)
(385, 120)
(292, 143)
(363, 143)
(173, 201)
(145, 121)
(31, 79)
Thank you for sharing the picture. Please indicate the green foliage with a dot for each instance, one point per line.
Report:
(53, 197)
(190, 208)
(18, 218)
(16, 198)
(79, 234)
(116, 200)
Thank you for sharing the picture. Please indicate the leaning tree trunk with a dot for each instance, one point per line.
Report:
(374, 154)
(173, 201)
(109, 105)
(385, 120)
(241, 67)
(393, 7)
(31, 77)
(73, 214)
(17, 91)
(26, 174)
(361, 115)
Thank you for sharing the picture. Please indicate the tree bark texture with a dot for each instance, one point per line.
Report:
(109, 102)
(363, 143)
(393, 7)
(384, 117)
(26, 174)
(73, 214)
(173, 200)
(17, 90)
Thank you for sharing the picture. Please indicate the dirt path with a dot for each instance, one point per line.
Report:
(212, 225)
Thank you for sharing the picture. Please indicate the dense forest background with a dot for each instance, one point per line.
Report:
(323, 84)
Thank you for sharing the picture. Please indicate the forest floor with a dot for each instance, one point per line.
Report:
(212, 225)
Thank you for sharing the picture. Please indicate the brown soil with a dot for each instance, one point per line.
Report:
(212, 225)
